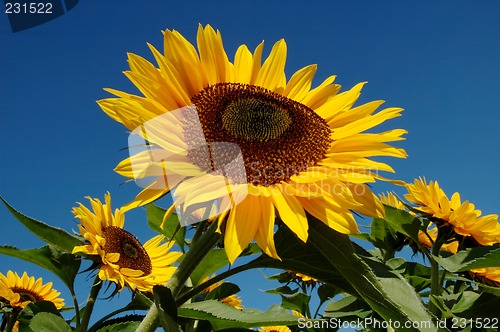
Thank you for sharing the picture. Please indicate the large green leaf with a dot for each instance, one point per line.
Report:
(51, 235)
(47, 322)
(33, 309)
(223, 316)
(472, 258)
(171, 228)
(385, 291)
(62, 264)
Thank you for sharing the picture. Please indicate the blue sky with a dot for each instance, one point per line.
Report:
(437, 60)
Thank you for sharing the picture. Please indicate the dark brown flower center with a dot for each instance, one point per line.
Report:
(132, 253)
(27, 295)
(278, 137)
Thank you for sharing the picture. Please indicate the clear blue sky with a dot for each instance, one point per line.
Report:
(440, 60)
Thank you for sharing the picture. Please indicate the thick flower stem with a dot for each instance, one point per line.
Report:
(435, 277)
(193, 257)
(12, 320)
(94, 291)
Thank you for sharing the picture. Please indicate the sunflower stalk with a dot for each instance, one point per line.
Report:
(11, 321)
(87, 312)
(436, 281)
(198, 250)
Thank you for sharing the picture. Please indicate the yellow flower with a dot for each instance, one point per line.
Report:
(19, 291)
(232, 300)
(304, 149)
(488, 275)
(424, 239)
(392, 200)
(463, 217)
(122, 259)
(275, 329)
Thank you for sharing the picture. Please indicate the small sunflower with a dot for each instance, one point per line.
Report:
(303, 279)
(275, 329)
(462, 217)
(392, 200)
(121, 257)
(19, 291)
(432, 235)
(232, 300)
(304, 149)
(487, 275)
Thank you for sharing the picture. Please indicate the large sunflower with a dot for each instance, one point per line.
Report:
(304, 149)
(120, 256)
(464, 219)
(19, 291)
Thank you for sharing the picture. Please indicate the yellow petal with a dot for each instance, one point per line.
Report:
(242, 224)
(300, 83)
(272, 74)
(291, 212)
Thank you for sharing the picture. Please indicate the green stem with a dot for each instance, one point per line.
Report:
(198, 250)
(12, 320)
(198, 289)
(77, 309)
(94, 291)
(435, 277)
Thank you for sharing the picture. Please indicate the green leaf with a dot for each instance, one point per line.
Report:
(387, 292)
(327, 292)
(441, 305)
(403, 222)
(215, 260)
(32, 309)
(474, 305)
(171, 227)
(167, 308)
(51, 235)
(348, 306)
(282, 290)
(472, 258)
(62, 264)
(47, 322)
(223, 316)
(120, 327)
(298, 302)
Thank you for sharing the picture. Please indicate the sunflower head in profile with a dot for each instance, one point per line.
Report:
(487, 275)
(231, 300)
(17, 291)
(303, 150)
(120, 257)
(464, 222)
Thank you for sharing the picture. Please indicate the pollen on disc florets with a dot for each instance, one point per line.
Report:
(132, 253)
(278, 136)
